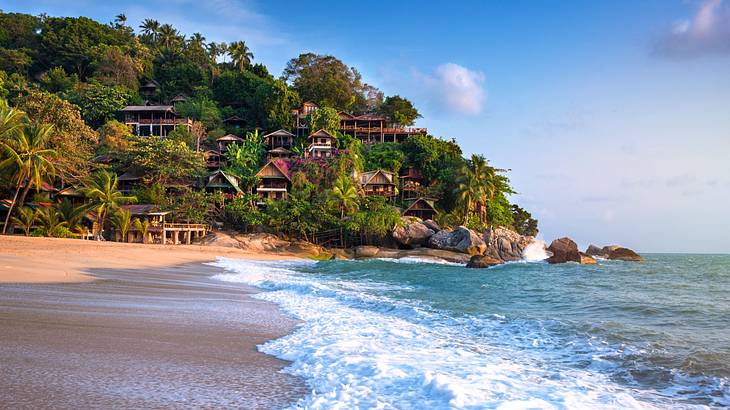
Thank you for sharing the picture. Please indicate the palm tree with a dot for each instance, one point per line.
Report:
(150, 28)
(345, 195)
(120, 19)
(241, 55)
(51, 221)
(476, 186)
(168, 36)
(143, 227)
(102, 189)
(27, 153)
(122, 221)
(26, 219)
(72, 214)
(197, 40)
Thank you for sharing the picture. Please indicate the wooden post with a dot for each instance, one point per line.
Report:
(164, 236)
(187, 237)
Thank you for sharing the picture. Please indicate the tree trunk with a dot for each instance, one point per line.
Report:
(10, 210)
(21, 201)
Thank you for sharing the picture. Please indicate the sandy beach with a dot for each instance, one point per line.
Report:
(111, 325)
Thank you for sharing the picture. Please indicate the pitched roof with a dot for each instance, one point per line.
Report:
(235, 118)
(144, 209)
(423, 201)
(231, 179)
(179, 98)
(281, 165)
(136, 108)
(370, 175)
(280, 150)
(321, 134)
(229, 137)
(129, 176)
(279, 133)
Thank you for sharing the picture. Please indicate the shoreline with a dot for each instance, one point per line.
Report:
(123, 334)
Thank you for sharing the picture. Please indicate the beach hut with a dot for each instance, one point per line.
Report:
(422, 208)
(378, 182)
(275, 181)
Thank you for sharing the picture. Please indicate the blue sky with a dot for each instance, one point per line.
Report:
(613, 116)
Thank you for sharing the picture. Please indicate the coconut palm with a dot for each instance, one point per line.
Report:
(345, 195)
(73, 215)
(120, 19)
(476, 186)
(151, 29)
(197, 40)
(168, 36)
(52, 223)
(102, 189)
(143, 227)
(122, 221)
(25, 219)
(27, 153)
(241, 55)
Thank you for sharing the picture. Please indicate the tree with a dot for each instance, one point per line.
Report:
(324, 80)
(56, 80)
(150, 30)
(201, 109)
(375, 219)
(25, 219)
(399, 110)
(523, 222)
(72, 136)
(345, 195)
(73, 215)
(121, 66)
(15, 61)
(122, 222)
(115, 136)
(169, 37)
(120, 19)
(163, 159)
(27, 154)
(51, 223)
(143, 227)
(102, 189)
(387, 156)
(241, 55)
(100, 103)
(325, 118)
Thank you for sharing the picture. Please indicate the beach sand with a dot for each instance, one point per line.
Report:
(151, 330)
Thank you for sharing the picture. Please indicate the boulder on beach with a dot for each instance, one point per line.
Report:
(566, 250)
(505, 244)
(432, 225)
(413, 232)
(461, 239)
(366, 251)
(483, 261)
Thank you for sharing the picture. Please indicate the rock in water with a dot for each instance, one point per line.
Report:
(412, 233)
(461, 239)
(479, 261)
(505, 244)
(565, 250)
(624, 254)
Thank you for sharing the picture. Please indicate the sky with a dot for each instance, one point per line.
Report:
(613, 116)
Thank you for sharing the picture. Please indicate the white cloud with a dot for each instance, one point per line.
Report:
(456, 88)
(706, 33)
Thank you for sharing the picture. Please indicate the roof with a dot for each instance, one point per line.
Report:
(102, 159)
(280, 150)
(422, 201)
(144, 209)
(137, 108)
(279, 133)
(235, 118)
(232, 180)
(280, 164)
(129, 176)
(363, 117)
(229, 137)
(321, 134)
(69, 191)
(151, 84)
(370, 175)
(179, 98)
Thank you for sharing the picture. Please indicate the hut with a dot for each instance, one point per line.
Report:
(128, 181)
(411, 184)
(321, 145)
(379, 182)
(214, 159)
(223, 182)
(275, 180)
(225, 141)
(153, 120)
(278, 144)
(422, 208)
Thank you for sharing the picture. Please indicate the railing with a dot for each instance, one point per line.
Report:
(160, 121)
(184, 226)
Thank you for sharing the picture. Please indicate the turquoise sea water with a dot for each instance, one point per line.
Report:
(405, 334)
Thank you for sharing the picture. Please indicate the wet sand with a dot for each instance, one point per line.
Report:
(163, 337)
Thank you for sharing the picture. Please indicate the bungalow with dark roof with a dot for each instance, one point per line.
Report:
(421, 208)
(379, 182)
(225, 141)
(278, 144)
(153, 120)
(275, 180)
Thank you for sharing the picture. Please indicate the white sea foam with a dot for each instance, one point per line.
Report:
(416, 259)
(536, 251)
(360, 351)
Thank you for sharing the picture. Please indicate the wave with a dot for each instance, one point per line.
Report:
(357, 348)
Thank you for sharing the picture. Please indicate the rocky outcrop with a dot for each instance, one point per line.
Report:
(624, 254)
(460, 239)
(614, 252)
(505, 244)
(432, 225)
(483, 261)
(566, 250)
(365, 251)
(413, 232)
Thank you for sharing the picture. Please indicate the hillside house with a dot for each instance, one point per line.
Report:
(275, 181)
(379, 182)
(411, 184)
(225, 141)
(421, 208)
(300, 117)
(321, 145)
(153, 120)
(278, 144)
(224, 183)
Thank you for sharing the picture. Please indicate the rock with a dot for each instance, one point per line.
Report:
(366, 251)
(430, 224)
(461, 239)
(585, 259)
(505, 244)
(342, 254)
(624, 254)
(479, 261)
(305, 248)
(594, 250)
(261, 242)
(564, 250)
(412, 233)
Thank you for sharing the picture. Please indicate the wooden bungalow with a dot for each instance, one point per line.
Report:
(278, 144)
(375, 129)
(214, 159)
(378, 182)
(149, 89)
(224, 183)
(225, 141)
(275, 180)
(234, 122)
(301, 128)
(411, 184)
(180, 98)
(128, 181)
(321, 145)
(72, 194)
(159, 230)
(421, 208)
(153, 120)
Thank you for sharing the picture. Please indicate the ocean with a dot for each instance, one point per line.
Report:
(405, 334)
